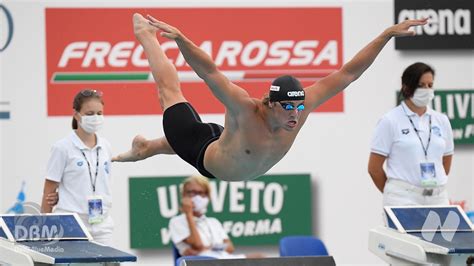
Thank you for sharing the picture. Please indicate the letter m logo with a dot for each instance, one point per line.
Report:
(433, 223)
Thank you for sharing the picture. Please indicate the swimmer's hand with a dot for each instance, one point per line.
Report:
(139, 151)
(167, 31)
(403, 28)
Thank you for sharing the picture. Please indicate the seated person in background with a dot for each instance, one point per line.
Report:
(195, 234)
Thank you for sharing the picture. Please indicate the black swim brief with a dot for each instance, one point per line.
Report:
(188, 135)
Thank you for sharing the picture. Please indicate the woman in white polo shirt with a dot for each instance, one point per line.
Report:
(417, 144)
(79, 169)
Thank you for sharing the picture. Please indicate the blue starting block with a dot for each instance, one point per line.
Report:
(424, 235)
(52, 239)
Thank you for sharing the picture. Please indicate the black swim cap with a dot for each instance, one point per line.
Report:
(286, 88)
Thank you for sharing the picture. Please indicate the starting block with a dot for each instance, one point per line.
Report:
(52, 239)
(420, 235)
(281, 261)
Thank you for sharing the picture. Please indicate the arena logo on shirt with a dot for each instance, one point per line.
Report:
(253, 212)
(106, 56)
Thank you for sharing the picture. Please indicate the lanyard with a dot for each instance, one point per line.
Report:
(425, 150)
(93, 182)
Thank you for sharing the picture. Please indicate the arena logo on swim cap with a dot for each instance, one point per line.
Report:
(274, 88)
(295, 94)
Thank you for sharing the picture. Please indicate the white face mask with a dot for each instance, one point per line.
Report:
(422, 97)
(200, 204)
(91, 123)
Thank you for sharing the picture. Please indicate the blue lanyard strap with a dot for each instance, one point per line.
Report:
(93, 182)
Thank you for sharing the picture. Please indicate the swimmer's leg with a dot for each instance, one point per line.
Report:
(163, 71)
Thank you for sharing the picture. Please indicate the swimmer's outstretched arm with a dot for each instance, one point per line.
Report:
(232, 96)
(143, 148)
(331, 85)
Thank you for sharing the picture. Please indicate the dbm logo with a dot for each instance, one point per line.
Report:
(433, 223)
(449, 24)
(33, 226)
(37, 232)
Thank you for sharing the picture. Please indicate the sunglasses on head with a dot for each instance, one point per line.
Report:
(195, 192)
(88, 93)
(290, 107)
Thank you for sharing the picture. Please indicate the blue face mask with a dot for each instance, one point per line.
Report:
(290, 107)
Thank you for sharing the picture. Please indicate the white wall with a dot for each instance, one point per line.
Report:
(334, 148)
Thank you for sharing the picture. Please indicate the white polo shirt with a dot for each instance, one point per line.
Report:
(396, 139)
(210, 230)
(68, 166)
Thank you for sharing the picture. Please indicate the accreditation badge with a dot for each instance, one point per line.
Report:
(95, 209)
(428, 174)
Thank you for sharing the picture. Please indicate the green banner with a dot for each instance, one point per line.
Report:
(458, 105)
(257, 212)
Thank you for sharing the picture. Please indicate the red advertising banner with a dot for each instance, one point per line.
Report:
(96, 48)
